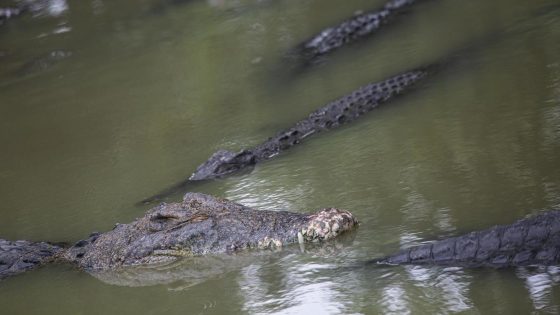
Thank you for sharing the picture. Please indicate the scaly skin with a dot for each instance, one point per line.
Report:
(355, 28)
(334, 114)
(529, 241)
(20, 256)
(199, 225)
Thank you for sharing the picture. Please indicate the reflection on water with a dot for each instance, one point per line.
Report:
(302, 294)
(394, 300)
(179, 275)
(144, 98)
(288, 288)
(265, 193)
(449, 286)
(188, 272)
(41, 8)
(541, 282)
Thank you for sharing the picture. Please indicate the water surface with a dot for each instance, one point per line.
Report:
(146, 96)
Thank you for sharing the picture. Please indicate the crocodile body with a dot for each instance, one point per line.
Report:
(530, 241)
(204, 225)
(198, 225)
(334, 114)
(350, 30)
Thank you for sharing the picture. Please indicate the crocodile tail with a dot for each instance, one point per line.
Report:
(20, 256)
(530, 241)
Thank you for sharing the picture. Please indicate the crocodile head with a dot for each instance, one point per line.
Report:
(223, 162)
(201, 225)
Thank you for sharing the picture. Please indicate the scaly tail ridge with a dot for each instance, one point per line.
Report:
(530, 241)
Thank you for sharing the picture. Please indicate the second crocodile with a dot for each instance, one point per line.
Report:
(529, 241)
(330, 116)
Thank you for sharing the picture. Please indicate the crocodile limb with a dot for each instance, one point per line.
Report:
(530, 241)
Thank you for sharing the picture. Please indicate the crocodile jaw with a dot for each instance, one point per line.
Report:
(327, 224)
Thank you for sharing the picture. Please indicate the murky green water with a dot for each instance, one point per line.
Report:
(144, 98)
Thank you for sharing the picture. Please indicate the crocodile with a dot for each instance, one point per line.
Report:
(131, 254)
(199, 225)
(333, 115)
(357, 27)
(530, 241)
(330, 116)
(336, 113)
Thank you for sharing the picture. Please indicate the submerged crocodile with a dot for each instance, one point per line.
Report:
(330, 116)
(334, 114)
(199, 225)
(203, 225)
(355, 28)
(530, 241)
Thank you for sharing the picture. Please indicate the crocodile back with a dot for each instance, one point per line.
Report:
(530, 241)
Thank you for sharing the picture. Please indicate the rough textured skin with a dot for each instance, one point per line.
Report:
(199, 225)
(357, 27)
(20, 256)
(530, 241)
(334, 114)
(202, 224)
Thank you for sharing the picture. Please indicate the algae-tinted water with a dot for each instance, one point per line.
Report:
(146, 96)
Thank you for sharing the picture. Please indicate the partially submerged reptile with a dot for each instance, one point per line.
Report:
(330, 116)
(203, 225)
(198, 225)
(35, 7)
(334, 114)
(357, 27)
(529, 241)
